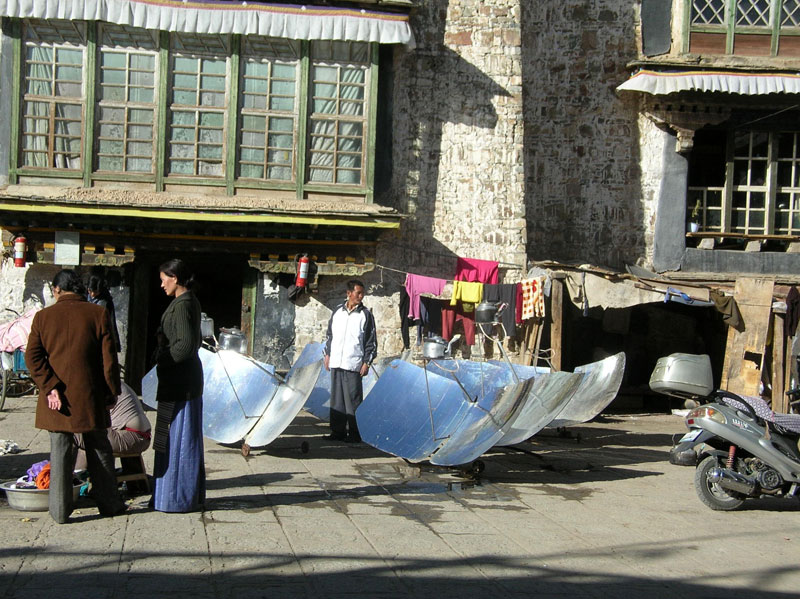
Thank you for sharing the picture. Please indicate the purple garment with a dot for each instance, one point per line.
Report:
(417, 284)
(34, 470)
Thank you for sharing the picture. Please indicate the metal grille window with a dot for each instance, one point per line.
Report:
(53, 94)
(708, 12)
(338, 113)
(199, 78)
(270, 76)
(753, 13)
(126, 99)
(748, 182)
(790, 16)
(746, 27)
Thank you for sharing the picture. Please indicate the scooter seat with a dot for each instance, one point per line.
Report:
(790, 422)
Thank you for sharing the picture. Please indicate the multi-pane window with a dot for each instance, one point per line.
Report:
(53, 95)
(199, 78)
(745, 27)
(270, 78)
(787, 193)
(235, 111)
(126, 92)
(745, 182)
(337, 123)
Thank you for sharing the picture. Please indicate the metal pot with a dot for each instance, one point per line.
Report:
(206, 326)
(485, 312)
(233, 339)
(433, 348)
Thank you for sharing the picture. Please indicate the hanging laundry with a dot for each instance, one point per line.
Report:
(450, 316)
(417, 284)
(468, 294)
(518, 306)
(405, 320)
(505, 293)
(430, 312)
(476, 271)
(533, 298)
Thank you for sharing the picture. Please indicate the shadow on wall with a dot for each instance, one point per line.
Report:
(581, 159)
(37, 284)
(431, 86)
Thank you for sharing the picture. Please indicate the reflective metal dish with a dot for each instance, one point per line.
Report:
(599, 386)
(284, 405)
(319, 400)
(545, 397)
(482, 425)
(410, 414)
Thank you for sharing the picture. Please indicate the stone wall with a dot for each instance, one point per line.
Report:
(457, 169)
(582, 173)
(29, 287)
(457, 138)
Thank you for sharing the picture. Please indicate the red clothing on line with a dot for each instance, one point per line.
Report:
(476, 271)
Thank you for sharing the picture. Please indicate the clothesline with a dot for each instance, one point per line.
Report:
(430, 253)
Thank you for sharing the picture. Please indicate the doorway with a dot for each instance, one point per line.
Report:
(219, 280)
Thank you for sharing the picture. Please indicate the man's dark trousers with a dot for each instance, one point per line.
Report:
(346, 395)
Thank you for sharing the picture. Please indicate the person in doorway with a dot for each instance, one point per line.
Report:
(100, 295)
(179, 478)
(350, 347)
(72, 360)
(129, 431)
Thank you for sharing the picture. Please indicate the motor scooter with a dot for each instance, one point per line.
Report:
(739, 447)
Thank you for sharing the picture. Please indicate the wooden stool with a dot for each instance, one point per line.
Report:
(133, 473)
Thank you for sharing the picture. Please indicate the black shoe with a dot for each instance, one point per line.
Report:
(333, 437)
(118, 511)
(352, 439)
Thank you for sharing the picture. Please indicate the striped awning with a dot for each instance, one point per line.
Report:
(301, 22)
(662, 83)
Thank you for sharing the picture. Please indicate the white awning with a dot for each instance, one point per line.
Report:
(209, 16)
(750, 84)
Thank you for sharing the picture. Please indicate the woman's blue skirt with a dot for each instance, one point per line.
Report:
(179, 475)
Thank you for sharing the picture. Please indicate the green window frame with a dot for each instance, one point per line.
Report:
(755, 188)
(193, 109)
(744, 27)
(127, 99)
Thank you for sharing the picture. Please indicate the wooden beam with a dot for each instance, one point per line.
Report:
(557, 320)
(780, 402)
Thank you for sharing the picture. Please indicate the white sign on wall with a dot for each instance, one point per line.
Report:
(68, 248)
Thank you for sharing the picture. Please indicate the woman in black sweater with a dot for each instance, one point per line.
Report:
(179, 422)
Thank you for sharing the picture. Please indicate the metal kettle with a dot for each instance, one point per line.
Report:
(485, 312)
(234, 339)
(433, 348)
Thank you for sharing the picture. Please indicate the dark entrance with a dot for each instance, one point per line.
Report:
(219, 281)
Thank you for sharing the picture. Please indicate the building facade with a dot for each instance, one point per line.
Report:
(385, 137)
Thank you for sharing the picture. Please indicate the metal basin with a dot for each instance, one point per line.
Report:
(32, 500)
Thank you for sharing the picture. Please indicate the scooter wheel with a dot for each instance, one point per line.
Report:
(710, 493)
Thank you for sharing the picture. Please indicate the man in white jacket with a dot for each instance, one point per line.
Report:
(350, 347)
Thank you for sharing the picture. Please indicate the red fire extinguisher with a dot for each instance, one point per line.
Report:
(20, 250)
(302, 271)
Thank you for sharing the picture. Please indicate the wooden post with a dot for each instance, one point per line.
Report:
(780, 402)
(557, 320)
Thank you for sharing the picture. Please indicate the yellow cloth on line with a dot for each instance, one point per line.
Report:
(468, 293)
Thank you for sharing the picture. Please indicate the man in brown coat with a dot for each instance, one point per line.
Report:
(72, 358)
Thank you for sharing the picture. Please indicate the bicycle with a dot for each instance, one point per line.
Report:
(17, 380)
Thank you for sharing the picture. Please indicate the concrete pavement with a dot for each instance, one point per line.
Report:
(603, 517)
